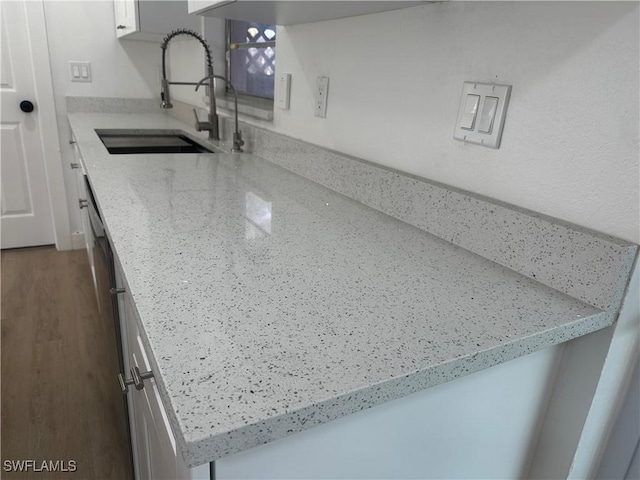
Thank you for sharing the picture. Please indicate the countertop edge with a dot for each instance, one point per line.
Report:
(297, 421)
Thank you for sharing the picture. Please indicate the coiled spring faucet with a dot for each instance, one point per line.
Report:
(212, 125)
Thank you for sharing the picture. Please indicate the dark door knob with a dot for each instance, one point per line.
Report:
(26, 106)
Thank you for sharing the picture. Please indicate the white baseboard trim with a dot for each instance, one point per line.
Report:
(77, 240)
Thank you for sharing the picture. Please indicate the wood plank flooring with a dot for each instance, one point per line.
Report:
(60, 396)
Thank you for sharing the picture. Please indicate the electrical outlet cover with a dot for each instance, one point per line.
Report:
(322, 92)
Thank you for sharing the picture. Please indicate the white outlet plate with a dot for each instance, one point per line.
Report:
(80, 71)
(322, 92)
(473, 134)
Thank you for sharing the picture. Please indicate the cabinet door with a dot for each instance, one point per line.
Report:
(84, 218)
(154, 443)
(126, 16)
(154, 446)
(152, 19)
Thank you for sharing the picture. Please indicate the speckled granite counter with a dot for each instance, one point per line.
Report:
(271, 304)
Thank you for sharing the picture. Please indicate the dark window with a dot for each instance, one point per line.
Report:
(251, 57)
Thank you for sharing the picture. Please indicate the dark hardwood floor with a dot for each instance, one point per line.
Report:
(60, 396)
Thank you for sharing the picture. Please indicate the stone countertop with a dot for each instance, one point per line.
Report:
(270, 304)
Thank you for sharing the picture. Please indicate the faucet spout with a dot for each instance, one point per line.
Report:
(165, 95)
(237, 134)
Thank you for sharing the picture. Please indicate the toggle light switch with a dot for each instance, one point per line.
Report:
(485, 122)
(468, 118)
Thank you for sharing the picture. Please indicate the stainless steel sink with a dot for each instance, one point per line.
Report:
(138, 141)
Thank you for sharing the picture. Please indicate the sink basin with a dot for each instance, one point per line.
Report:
(123, 142)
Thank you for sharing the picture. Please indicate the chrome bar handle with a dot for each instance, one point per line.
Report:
(137, 379)
(123, 384)
(246, 45)
(201, 126)
(117, 291)
(75, 165)
(83, 203)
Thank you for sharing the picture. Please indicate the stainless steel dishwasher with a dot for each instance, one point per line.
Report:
(109, 316)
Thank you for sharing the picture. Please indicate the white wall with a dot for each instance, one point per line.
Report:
(570, 143)
(85, 31)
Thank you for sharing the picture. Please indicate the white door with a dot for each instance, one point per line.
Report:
(26, 218)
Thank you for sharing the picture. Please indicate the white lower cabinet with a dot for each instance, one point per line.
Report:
(83, 198)
(153, 443)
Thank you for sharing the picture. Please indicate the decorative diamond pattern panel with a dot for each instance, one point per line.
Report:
(260, 60)
(252, 67)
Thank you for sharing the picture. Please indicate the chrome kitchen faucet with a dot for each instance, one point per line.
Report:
(237, 134)
(212, 125)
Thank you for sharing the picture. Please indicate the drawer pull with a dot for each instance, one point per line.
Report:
(75, 165)
(117, 291)
(83, 203)
(137, 379)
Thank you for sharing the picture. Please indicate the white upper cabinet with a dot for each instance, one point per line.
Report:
(152, 19)
(291, 12)
(126, 17)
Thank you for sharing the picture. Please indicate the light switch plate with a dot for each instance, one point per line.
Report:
(283, 90)
(474, 135)
(80, 71)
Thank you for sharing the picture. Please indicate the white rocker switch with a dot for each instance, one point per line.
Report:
(481, 113)
(485, 122)
(468, 117)
(80, 71)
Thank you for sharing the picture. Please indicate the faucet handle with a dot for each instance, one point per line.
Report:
(237, 142)
(200, 126)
